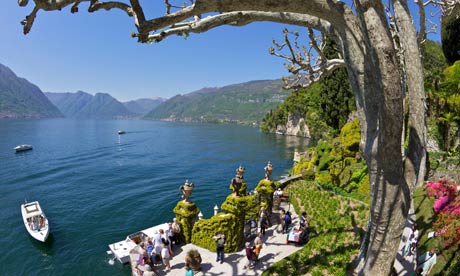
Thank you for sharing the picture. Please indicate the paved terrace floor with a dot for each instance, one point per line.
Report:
(274, 249)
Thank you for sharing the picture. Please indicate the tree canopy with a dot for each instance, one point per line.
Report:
(379, 47)
(450, 35)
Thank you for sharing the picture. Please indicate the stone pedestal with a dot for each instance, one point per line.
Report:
(186, 214)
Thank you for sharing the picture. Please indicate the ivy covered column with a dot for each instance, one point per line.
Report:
(237, 207)
(186, 211)
(265, 189)
(186, 214)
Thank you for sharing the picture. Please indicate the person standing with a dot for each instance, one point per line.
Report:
(157, 246)
(427, 261)
(170, 234)
(411, 243)
(303, 223)
(264, 222)
(176, 230)
(287, 222)
(166, 256)
(221, 242)
(250, 255)
(258, 245)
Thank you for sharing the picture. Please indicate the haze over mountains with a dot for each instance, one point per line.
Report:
(82, 105)
(21, 99)
(242, 103)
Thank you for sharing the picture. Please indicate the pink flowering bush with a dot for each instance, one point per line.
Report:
(447, 205)
(445, 192)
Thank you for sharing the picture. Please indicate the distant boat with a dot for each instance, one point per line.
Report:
(121, 132)
(23, 148)
(35, 220)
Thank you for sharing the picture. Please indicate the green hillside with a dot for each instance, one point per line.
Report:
(21, 99)
(242, 103)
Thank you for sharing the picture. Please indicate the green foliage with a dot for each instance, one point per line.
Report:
(350, 136)
(337, 162)
(433, 62)
(325, 106)
(452, 78)
(337, 226)
(337, 100)
(450, 32)
(186, 214)
(241, 191)
(205, 229)
(304, 103)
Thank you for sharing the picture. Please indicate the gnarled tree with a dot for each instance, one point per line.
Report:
(379, 48)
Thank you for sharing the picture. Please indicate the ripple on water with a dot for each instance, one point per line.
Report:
(96, 187)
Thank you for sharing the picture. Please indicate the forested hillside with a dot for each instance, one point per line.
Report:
(240, 103)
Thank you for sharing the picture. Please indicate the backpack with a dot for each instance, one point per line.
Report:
(220, 243)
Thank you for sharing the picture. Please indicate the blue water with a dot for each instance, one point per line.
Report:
(97, 187)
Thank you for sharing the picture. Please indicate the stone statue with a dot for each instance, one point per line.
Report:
(268, 170)
(237, 181)
(186, 190)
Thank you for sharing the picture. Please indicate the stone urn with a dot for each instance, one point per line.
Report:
(186, 190)
(268, 170)
(193, 259)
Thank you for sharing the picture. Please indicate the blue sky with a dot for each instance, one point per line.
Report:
(67, 52)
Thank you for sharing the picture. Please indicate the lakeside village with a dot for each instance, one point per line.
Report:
(244, 222)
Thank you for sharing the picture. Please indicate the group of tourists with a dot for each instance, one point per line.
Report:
(156, 251)
(426, 261)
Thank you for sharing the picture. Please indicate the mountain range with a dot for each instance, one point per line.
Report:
(142, 107)
(82, 105)
(21, 99)
(242, 103)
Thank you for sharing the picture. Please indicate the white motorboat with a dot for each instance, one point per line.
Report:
(35, 220)
(23, 148)
(120, 132)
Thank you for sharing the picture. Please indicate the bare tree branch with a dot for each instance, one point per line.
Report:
(49, 5)
(307, 65)
(240, 19)
(29, 20)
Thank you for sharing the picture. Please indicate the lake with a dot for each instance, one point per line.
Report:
(96, 187)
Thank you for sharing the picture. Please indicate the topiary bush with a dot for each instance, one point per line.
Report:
(205, 229)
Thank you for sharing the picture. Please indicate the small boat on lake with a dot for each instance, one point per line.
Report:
(24, 147)
(120, 132)
(35, 220)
